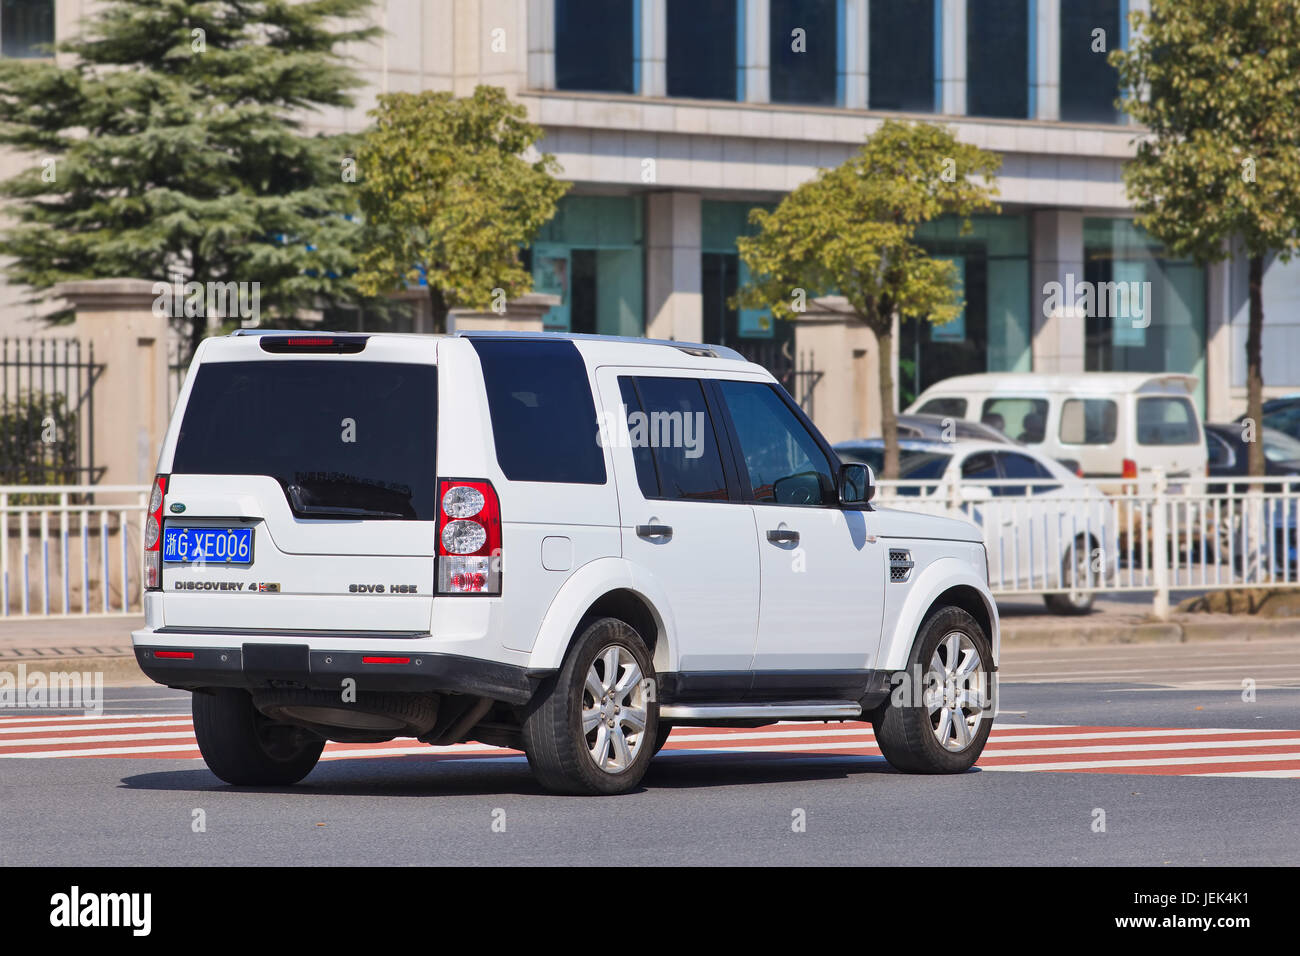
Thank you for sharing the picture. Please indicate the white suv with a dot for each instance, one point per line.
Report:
(562, 544)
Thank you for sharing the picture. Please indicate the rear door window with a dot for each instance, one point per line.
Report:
(673, 442)
(342, 437)
(1166, 420)
(544, 421)
(1024, 419)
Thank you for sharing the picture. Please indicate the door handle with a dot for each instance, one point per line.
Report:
(654, 531)
(782, 536)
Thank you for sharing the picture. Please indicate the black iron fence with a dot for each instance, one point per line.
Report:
(47, 412)
(794, 370)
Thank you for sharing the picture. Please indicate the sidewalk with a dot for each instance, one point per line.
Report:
(73, 643)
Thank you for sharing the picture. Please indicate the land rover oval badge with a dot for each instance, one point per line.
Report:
(177, 507)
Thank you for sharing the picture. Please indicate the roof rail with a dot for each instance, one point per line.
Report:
(690, 348)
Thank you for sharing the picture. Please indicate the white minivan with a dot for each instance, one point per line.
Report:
(1114, 424)
(565, 545)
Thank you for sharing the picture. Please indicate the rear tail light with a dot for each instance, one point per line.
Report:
(153, 535)
(1130, 468)
(469, 537)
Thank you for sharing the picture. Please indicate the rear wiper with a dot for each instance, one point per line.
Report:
(333, 511)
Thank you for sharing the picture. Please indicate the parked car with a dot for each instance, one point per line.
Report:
(947, 428)
(1282, 414)
(1053, 513)
(1114, 424)
(1229, 459)
(563, 544)
(1228, 454)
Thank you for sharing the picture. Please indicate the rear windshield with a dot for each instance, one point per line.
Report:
(1166, 421)
(950, 407)
(343, 438)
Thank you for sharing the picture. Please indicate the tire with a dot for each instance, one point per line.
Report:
(564, 757)
(661, 737)
(244, 748)
(1078, 603)
(908, 735)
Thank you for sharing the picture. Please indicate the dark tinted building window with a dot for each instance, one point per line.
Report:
(901, 56)
(23, 25)
(674, 426)
(997, 58)
(593, 45)
(543, 419)
(1089, 84)
(347, 434)
(702, 49)
(804, 45)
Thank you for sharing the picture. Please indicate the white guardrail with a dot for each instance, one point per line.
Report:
(70, 549)
(75, 549)
(1109, 535)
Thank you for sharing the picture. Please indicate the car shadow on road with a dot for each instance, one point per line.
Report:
(435, 776)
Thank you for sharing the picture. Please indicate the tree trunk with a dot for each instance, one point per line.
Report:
(1254, 365)
(884, 329)
(438, 303)
(198, 325)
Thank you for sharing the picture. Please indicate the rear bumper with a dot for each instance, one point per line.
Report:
(254, 665)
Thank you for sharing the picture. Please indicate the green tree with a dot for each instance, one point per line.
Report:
(1216, 83)
(851, 231)
(172, 144)
(447, 192)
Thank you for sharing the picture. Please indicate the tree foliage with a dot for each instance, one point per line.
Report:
(451, 189)
(1216, 83)
(173, 144)
(851, 231)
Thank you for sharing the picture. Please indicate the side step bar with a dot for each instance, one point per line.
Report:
(804, 710)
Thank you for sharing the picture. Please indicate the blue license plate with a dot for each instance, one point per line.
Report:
(207, 545)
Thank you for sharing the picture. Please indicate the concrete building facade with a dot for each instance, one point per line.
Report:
(674, 118)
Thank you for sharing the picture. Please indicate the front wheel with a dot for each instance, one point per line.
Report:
(245, 748)
(593, 726)
(941, 725)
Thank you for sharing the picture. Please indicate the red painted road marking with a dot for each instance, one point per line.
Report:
(1011, 748)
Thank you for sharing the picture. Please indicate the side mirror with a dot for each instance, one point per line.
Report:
(857, 485)
(976, 493)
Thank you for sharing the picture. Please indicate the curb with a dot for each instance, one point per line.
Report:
(1147, 632)
(116, 668)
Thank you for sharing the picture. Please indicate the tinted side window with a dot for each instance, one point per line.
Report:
(1220, 455)
(1166, 421)
(785, 463)
(952, 407)
(543, 418)
(1024, 419)
(646, 476)
(1088, 421)
(980, 467)
(1022, 466)
(674, 432)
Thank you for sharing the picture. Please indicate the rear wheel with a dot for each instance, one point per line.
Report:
(592, 727)
(942, 725)
(244, 748)
(661, 737)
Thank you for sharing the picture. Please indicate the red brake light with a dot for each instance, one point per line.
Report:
(1130, 468)
(469, 537)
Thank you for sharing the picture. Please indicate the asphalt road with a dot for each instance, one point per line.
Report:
(711, 806)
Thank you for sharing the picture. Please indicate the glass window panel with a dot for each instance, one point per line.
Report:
(25, 24)
(784, 462)
(676, 427)
(804, 63)
(1089, 85)
(901, 55)
(997, 58)
(702, 49)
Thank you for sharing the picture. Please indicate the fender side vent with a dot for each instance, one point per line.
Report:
(900, 565)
